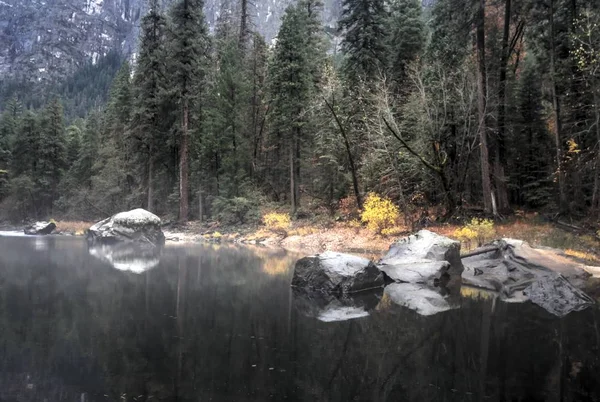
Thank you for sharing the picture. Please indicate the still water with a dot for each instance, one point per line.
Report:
(202, 323)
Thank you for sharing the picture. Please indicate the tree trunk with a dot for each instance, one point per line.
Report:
(150, 205)
(243, 25)
(482, 106)
(200, 206)
(557, 119)
(596, 195)
(183, 166)
(292, 181)
(499, 159)
(297, 169)
(349, 153)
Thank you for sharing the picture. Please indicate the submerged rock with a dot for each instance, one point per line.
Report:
(40, 228)
(425, 258)
(420, 298)
(329, 308)
(137, 225)
(133, 257)
(336, 273)
(520, 272)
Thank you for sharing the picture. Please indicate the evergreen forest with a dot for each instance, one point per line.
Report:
(492, 106)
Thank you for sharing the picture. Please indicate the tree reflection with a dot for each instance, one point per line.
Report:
(212, 324)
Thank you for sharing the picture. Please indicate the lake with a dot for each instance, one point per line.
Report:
(221, 323)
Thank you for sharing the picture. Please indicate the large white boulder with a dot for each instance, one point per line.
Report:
(425, 258)
(336, 273)
(137, 225)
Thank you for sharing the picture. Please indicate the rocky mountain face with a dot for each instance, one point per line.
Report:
(47, 39)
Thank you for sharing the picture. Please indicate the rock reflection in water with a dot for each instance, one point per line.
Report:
(420, 298)
(329, 308)
(219, 324)
(133, 257)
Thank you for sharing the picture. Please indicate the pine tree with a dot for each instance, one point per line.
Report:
(258, 104)
(73, 143)
(293, 74)
(7, 133)
(187, 57)
(115, 180)
(27, 145)
(52, 155)
(228, 112)
(149, 87)
(531, 144)
(364, 26)
(83, 169)
(407, 38)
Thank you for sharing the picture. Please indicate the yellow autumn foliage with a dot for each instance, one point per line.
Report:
(379, 213)
(481, 230)
(277, 221)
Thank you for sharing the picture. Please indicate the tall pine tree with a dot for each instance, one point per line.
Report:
(294, 72)
(187, 60)
(407, 38)
(52, 156)
(149, 89)
(365, 30)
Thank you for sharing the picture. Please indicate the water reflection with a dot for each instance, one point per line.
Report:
(329, 308)
(134, 257)
(420, 298)
(208, 324)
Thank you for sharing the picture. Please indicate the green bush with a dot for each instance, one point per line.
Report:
(237, 210)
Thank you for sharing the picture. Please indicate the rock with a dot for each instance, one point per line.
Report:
(425, 258)
(420, 298)
(133, 257)
(40, 228)
(329, 308)
(520, 272)
(557, 296)
(336, 273)
(137, 225)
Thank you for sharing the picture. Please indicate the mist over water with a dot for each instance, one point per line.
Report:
(221, 323)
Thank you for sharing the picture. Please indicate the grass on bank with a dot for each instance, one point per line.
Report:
(75, 227)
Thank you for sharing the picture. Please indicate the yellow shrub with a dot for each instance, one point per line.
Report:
(481, 230)
(379, 213)
(465, 234)
(484, 228)
(277, 221)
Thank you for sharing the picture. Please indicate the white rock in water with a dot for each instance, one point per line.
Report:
(422, 258)
(520, 272)
(336, 273)
(415, 271)
(424, 245)
(136, 217)
(137, 225)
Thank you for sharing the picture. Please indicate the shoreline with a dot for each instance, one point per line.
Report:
(306, 237)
